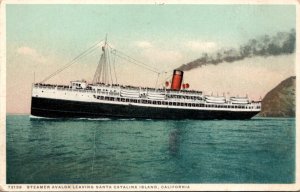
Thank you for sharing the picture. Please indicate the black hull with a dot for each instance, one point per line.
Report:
(55, 108)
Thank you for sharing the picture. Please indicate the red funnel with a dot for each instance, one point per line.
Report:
(177, 80)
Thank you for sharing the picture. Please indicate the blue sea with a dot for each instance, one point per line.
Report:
(260, 150)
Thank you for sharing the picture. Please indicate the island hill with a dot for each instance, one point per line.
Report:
(280, 101)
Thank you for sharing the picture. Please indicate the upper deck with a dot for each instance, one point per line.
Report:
(123, 93)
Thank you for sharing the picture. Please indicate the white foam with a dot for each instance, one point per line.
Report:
(97, 119)
(38, 117)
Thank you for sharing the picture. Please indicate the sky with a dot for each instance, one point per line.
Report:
(42, 38)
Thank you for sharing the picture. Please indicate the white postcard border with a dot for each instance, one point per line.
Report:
(137, 187)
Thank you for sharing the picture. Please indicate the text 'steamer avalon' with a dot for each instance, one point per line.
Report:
(101, 99)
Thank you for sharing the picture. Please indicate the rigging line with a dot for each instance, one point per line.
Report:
(141, 63)
(136, 63)
(168, 77)
(162, 83)
(99, 68)
(157, 80)
(105, 61)
(109, 66)
(98, 71)
(66, 66)
(114, 63)
(72, 61)
(102, 76)
(105, 68)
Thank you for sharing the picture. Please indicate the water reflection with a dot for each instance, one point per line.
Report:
(175, 138)
(174, 142)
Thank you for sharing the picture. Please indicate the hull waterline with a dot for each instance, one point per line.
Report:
(56, 108)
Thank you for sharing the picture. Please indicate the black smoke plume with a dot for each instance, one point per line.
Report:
(282, 43)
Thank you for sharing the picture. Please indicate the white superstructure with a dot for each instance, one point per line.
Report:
(106, 93)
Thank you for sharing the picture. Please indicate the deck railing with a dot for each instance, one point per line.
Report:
(177, 103)
(171, 101)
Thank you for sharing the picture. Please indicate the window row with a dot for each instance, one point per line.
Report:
(170, 103)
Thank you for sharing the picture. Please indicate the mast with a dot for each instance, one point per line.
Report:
(101, 73)
(106, 72)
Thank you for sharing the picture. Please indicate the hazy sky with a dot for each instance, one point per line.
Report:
(43, 38)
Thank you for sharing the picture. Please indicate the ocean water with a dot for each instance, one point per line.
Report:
(260, 150)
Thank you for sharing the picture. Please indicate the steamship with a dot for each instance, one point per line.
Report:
(105, 98)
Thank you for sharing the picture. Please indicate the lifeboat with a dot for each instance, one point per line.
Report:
(215, 98)
(130, 93)
(239, 100)
(214, 101)
(156, 96)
